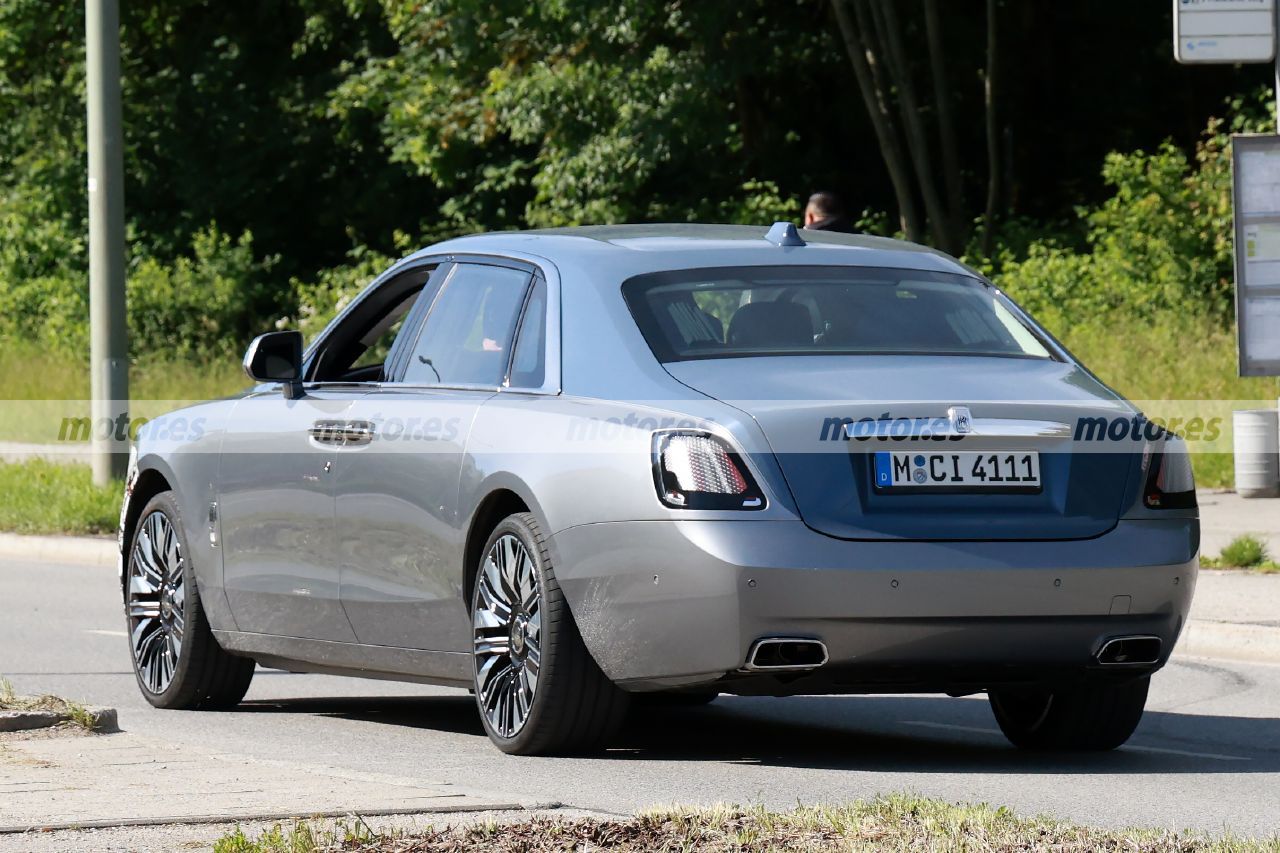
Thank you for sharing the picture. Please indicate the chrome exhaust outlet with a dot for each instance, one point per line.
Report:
(1128, 651)
(786, 654)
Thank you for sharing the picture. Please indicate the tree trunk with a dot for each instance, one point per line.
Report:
(946, 122)
(887, 25)
(993, 136)
(875, 97)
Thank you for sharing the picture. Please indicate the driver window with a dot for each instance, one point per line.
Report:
(357, 349)
(378, 340)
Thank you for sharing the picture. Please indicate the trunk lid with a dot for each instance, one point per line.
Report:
(802, 404)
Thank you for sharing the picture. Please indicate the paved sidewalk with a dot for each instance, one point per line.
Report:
(1235, 615)
(126, 779)
(81, 550)
(1225, 515)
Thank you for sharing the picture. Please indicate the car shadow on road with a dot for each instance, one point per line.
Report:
(928, 734)
(920, 734)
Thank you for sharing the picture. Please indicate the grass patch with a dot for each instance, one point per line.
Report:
(1174, 358)
(1243, 552)
(11, 701)
(34, 383)
(29, 372)
(49, 497)
(896, 822)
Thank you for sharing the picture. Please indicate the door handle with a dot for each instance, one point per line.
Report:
(327, 432)
(357, 432)
(342, 433)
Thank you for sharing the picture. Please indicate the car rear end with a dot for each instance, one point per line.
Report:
(930, 496)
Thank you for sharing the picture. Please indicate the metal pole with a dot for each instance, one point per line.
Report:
(108, 329)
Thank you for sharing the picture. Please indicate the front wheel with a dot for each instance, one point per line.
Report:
(1092, 716)
(176, 659)
(537, 687)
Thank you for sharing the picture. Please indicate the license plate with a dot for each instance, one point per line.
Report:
(969, 470)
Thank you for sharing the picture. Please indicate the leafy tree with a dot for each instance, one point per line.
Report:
(1161, 244)
(574, 111)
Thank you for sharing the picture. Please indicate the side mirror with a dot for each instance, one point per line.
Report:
(276, 357)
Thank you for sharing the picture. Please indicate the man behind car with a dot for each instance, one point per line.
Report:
(826, 212)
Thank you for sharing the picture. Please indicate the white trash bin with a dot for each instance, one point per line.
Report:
(1257, 452)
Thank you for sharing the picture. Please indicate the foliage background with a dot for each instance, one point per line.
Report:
(279, 153)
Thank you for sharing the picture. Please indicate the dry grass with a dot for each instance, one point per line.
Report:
(11, 701)
(896, 822)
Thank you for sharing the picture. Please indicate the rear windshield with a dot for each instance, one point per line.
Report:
(752, 311)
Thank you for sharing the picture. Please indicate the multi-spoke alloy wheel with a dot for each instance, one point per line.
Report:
(156, 601)
(537, 687)
(176, 658)
(507, 623)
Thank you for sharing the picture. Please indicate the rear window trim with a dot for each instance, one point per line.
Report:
(657, 342)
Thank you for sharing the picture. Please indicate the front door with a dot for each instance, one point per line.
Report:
(275, 508)
(397, 522)
(277, 472)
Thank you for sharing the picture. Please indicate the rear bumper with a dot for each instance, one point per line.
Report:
(679, 603)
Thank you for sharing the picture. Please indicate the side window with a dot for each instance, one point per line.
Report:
(378, 340)
(528, 365)
(357, 348)
(466, 339)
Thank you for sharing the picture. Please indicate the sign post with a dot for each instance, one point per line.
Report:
(108, 329)
(1207, 32)
(1255, 162)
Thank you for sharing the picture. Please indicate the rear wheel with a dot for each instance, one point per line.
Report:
(176, 659)
(537, 687)
(1091, 716)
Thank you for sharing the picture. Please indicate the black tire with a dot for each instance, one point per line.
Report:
(1088, 717)
(575, 708)
(205, 677)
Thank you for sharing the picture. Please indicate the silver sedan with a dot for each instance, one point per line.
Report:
(581, 469)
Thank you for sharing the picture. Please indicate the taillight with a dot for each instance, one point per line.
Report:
(696, 470)
(1169, 482)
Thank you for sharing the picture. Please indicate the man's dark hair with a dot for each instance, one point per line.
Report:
(827, 205)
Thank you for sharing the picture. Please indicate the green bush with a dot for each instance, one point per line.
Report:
(1162, 244)
(1244, 552)
(205, 303)
(320, 300)
(208, 302)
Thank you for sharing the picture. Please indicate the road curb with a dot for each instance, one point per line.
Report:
(266, 816)
(1241, 641)
(105, 720)
(82, 550)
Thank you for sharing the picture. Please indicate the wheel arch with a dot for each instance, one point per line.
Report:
(150, 482)
(499, 503)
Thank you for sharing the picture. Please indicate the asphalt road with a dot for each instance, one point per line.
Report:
(1206, 756)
